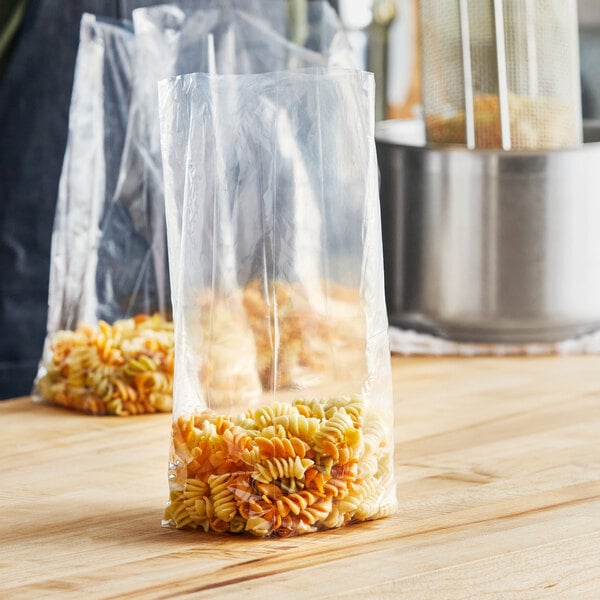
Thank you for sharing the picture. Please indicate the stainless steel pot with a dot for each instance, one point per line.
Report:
(490, 246)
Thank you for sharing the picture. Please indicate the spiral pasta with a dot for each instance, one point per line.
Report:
(280, 470)
(120, 369)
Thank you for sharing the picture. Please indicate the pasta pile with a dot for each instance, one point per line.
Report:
(535, 124)
(123, 369)
(282, 469)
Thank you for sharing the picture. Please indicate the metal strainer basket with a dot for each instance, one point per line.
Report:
(501, 73)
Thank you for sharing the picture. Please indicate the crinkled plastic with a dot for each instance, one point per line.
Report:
(322, 31)
(97, 125)
(283, 401)
(125, 367)
(174, 39)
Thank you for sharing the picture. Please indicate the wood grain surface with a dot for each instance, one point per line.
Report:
(498, 470)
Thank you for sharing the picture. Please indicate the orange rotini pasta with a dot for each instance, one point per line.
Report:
(120, 369)
(282, 469)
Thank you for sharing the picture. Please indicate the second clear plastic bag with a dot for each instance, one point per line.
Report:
(283, 401)
(101, 356)
(173, 39)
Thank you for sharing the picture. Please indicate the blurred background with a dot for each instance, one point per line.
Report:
(38, 44)
(384, 36)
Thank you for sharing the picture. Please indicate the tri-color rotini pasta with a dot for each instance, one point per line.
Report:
(282, 469)
(120, 369)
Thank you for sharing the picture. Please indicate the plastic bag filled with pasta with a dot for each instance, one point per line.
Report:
(282, 419)
(108, 349)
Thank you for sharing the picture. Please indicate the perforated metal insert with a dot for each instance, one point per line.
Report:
(501, 73)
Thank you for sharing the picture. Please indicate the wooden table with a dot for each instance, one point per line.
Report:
(498, 468)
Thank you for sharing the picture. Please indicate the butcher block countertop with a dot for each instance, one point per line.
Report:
(498, 471)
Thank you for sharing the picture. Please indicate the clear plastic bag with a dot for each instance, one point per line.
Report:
(283, 409)
(125, 367)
